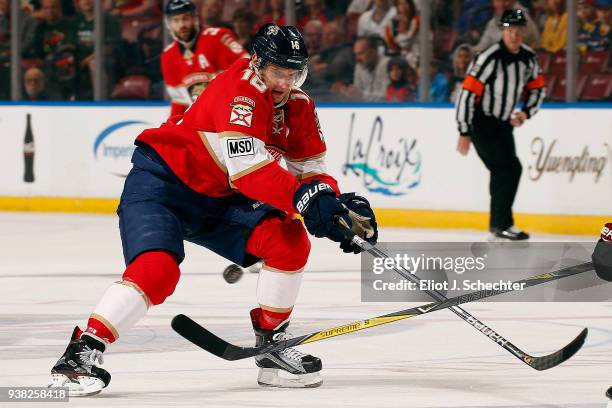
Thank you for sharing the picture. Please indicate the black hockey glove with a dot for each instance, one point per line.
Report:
(317, 204)
(363, 220)
(602, 255)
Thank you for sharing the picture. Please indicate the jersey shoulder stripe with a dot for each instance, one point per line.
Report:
(299, 96)
(169, 47)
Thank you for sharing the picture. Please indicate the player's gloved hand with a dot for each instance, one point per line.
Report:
(363, 220)
(602, 255)
(317, 204)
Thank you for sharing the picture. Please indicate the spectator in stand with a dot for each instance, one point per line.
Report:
(28, 22)
(462, 56)
(337, 8)
(231, 6)
(374, 21)
(401, 34)
(275, 13)
(539, 11)
(26, 39)
(5, 50)
(5, 23)
(54, 45)
(554, 35)
(593, 34)
(492, 33)
(83, 33)
(370, 79)
(211, 13)
(439, 87)
(358, 6)
(473, 17)
(34, 85)
(5, 17)
(313, 36)
(331, 68)
(315, 11)
(401, 81)
(606, 16)
(244, 23)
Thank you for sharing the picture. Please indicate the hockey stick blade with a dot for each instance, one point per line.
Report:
(210, 342)
(554, 359)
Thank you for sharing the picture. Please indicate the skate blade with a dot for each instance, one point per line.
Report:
(78, 386)
(270, 377)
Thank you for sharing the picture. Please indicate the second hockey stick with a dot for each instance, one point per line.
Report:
(538, 363)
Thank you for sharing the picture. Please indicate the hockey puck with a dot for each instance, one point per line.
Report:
(609, 393)
(232, 273)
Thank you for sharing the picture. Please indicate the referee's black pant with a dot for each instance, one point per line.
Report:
(494, 143)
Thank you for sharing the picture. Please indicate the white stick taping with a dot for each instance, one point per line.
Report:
(277, 289)
(122, 307)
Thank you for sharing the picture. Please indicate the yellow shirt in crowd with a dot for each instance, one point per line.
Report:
(554, 36)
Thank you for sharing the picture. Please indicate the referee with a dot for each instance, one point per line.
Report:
(499, 78)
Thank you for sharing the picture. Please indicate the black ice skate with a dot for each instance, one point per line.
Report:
(77, 368)
(288, 368)
(511, 233)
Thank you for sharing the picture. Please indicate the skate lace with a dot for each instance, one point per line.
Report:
(289, 352)
(90, 357)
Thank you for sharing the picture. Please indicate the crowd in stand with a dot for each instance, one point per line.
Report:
(361, 50)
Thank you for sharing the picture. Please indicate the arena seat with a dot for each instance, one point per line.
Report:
(598, 87)
(558, 90)
(135, 87)
(594, 62)
(544, 59)
(558, 63)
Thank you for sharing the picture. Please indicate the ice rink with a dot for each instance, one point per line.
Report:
(55, 267)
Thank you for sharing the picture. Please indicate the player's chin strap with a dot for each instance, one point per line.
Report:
(361, 225)
(283, 102)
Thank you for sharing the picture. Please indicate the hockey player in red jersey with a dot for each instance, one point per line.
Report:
(194, 57)
(210, 177)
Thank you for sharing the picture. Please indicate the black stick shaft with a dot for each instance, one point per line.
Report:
(439, 297)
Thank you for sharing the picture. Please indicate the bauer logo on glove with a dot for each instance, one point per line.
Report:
(312, 191)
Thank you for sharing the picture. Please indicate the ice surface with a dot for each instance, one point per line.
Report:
(54, 268)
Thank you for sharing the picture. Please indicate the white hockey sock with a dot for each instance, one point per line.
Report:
(277, 289)
(120, 308)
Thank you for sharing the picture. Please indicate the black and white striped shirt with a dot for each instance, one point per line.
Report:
(497, 82)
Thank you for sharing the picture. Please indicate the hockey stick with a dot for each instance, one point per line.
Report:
(539, 363)
(203, 338)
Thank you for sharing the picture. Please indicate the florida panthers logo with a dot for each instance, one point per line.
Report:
(272, 30)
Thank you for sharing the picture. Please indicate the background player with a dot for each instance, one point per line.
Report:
(194, 57)
(209, 177)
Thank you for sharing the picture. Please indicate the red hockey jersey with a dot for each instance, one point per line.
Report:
(187, 72)
(231, 139)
